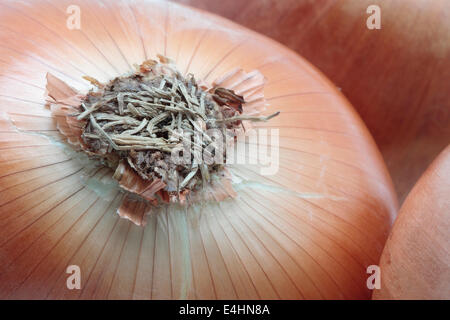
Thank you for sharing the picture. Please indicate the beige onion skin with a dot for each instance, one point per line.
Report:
(415, 263)
(307, 232)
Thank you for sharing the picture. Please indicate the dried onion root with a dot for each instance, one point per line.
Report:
(135, 123)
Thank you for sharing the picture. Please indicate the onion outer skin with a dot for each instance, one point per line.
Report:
(415, 263)
(308, 232)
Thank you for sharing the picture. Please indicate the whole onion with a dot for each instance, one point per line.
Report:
(309, 231)
(415, 263)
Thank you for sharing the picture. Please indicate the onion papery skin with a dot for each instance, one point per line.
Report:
(396, 77)
(415, 263)
(307, 232)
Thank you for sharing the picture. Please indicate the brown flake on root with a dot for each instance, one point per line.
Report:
(134, 210)
(132, 182)
(64, 102)
(228, 98)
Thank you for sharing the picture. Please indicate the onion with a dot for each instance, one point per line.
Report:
(415, 261)
(309, 231)
(396, 77)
